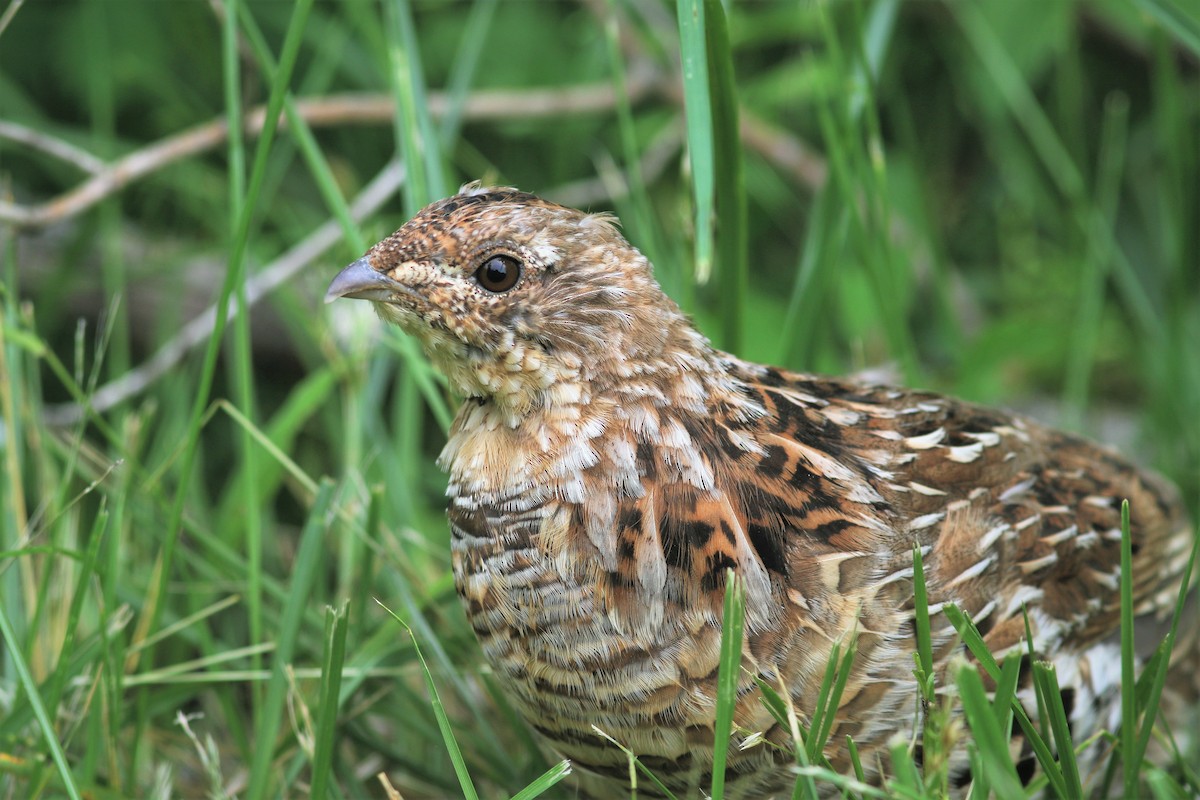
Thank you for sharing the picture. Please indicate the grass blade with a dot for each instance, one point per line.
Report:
(813, 743)
(474, 44)
(416, 137)
(733, 623)
(829, 701)
(1184, 28)
(784, 713)
(1095, 269)
(233, 278)
(992, 743)
(729, 185)
(1132, 764)
(1006, 690)
(697, 102)
(1046, 677)
(86, 570)
(1155, 673)
(904, 772)
(17, 661)
(921, 623)
(547, 779)
(1032, 657)
(308, 558)
(974, 641)
(439, 710)
(330, 698)
(636, 766)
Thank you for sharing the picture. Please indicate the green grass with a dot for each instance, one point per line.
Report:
(998, 200)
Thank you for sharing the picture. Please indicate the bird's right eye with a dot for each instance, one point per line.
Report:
(498, 273)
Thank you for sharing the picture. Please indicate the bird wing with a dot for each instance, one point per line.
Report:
(1007, 513)
(819, 499)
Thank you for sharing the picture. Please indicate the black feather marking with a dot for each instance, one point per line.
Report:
(772, 465)
(768, 543)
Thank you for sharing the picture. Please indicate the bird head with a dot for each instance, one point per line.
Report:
(517, 300)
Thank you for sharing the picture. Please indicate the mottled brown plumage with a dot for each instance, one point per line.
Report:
(609, 466)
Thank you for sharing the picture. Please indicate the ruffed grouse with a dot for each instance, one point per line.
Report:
(609, 466)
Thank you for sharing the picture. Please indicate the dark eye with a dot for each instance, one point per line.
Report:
(498, 273)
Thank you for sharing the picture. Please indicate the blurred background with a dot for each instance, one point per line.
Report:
(203, 535)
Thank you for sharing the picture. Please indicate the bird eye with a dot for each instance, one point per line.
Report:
(498, 273)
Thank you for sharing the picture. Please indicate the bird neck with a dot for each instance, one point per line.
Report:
(591, 425)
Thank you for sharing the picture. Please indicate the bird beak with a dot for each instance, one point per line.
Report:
(361, 281)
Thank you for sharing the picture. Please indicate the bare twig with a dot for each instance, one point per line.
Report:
(777, 146)
(654, 160)
(335, 109)
(51, 145)
(782, 149)
(195, 332)
(774, 144)
(9, 13)
(388, 789)
(115, 176)
(788, 152)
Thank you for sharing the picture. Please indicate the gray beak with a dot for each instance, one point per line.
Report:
(361, 281)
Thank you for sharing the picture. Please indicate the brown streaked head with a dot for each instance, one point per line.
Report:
(510, 295)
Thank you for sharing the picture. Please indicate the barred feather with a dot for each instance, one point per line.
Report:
(611, 466)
